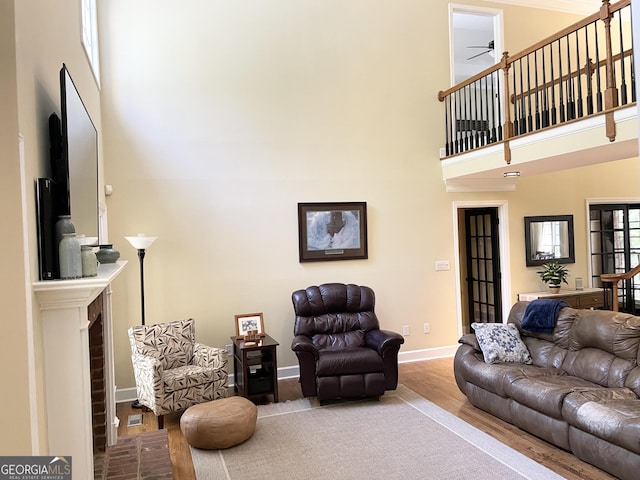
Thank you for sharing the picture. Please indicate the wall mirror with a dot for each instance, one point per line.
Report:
(549, 238)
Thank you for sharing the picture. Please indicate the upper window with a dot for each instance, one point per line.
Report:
(90, 35)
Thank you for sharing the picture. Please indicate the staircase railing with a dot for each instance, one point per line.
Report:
(614, 279)
(584, 70)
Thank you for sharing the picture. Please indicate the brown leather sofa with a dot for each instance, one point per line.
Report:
(581, 393)
(340, 348)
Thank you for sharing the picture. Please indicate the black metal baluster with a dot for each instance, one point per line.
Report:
(545, 100)
(571, 106)
(493, 135)
(483, 114)
(588, 73)
(523, 111)
(457, 122)
(475, 114)
(498, 97)
(466, 118)
(514, 95)
(529, 107)
(488, 113)
(488, 108)
(598, 82)
(579, 78)
(535, 67)
(446, 126)
(553, 89)
(560, 84)
(623, 84)
(452, 122)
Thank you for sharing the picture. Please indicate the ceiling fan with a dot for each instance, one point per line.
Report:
(488, 49)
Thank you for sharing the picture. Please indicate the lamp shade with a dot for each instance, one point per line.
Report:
(141, 241)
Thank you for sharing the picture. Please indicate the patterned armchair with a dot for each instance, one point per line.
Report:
(172, 370)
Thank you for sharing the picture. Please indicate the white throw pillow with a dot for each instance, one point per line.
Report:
(501, 343)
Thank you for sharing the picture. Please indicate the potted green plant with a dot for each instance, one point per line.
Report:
(553, 274)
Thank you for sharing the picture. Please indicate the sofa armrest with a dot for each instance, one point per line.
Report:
(302, 343)
(209, 357)
(383, 340)
(471, 340)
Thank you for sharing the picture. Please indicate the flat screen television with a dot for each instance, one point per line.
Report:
(75, 160)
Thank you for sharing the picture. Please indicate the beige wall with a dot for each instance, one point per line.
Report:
(35, 39)
(212, 137)
(15, 380)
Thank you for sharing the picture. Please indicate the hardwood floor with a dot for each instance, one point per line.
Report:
(433, 379)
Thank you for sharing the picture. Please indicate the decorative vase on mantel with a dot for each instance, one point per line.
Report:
(69, 254)
(107, 254)
(554, 288)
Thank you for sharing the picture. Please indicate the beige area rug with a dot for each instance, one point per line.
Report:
(402, 436)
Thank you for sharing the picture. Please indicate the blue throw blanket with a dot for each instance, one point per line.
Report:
(540, 315)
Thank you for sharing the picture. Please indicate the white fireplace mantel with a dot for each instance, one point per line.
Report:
(65, 336)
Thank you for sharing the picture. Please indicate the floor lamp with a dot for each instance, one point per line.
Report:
(141, 243)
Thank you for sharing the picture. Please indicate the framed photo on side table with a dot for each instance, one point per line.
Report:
(249, 324)
(332, 231)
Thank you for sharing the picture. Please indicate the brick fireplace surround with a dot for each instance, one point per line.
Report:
(78, 366)
(98, 383)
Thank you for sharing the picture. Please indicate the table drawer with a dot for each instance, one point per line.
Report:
(593, 300)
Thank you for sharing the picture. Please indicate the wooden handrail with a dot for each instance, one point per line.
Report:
(522, 116)
(614, 278)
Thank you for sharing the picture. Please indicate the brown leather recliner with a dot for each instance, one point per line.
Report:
(340, 348)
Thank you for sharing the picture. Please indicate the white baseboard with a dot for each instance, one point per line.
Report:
(427, 354)
(124, 395)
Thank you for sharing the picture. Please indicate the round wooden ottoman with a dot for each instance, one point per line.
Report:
(220, 423)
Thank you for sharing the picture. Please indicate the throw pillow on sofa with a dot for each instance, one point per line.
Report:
(501, 343)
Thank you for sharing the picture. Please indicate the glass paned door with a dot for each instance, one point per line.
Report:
(483, 265)
(615, 248)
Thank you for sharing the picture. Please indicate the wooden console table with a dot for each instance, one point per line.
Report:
(587, 298)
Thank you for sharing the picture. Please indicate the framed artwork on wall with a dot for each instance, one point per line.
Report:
(332, 231)
(249, 325)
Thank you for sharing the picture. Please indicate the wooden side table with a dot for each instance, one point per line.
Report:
(255, 367)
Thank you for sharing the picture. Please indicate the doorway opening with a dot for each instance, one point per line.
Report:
(483, 278)
(475, 40)
(614, 247)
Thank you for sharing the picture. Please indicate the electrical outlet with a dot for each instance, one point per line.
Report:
(405, 330)
(426, 328)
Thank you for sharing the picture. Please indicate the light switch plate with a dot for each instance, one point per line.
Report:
(442, 265)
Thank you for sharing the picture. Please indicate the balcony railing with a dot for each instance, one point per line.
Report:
(584, 70)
